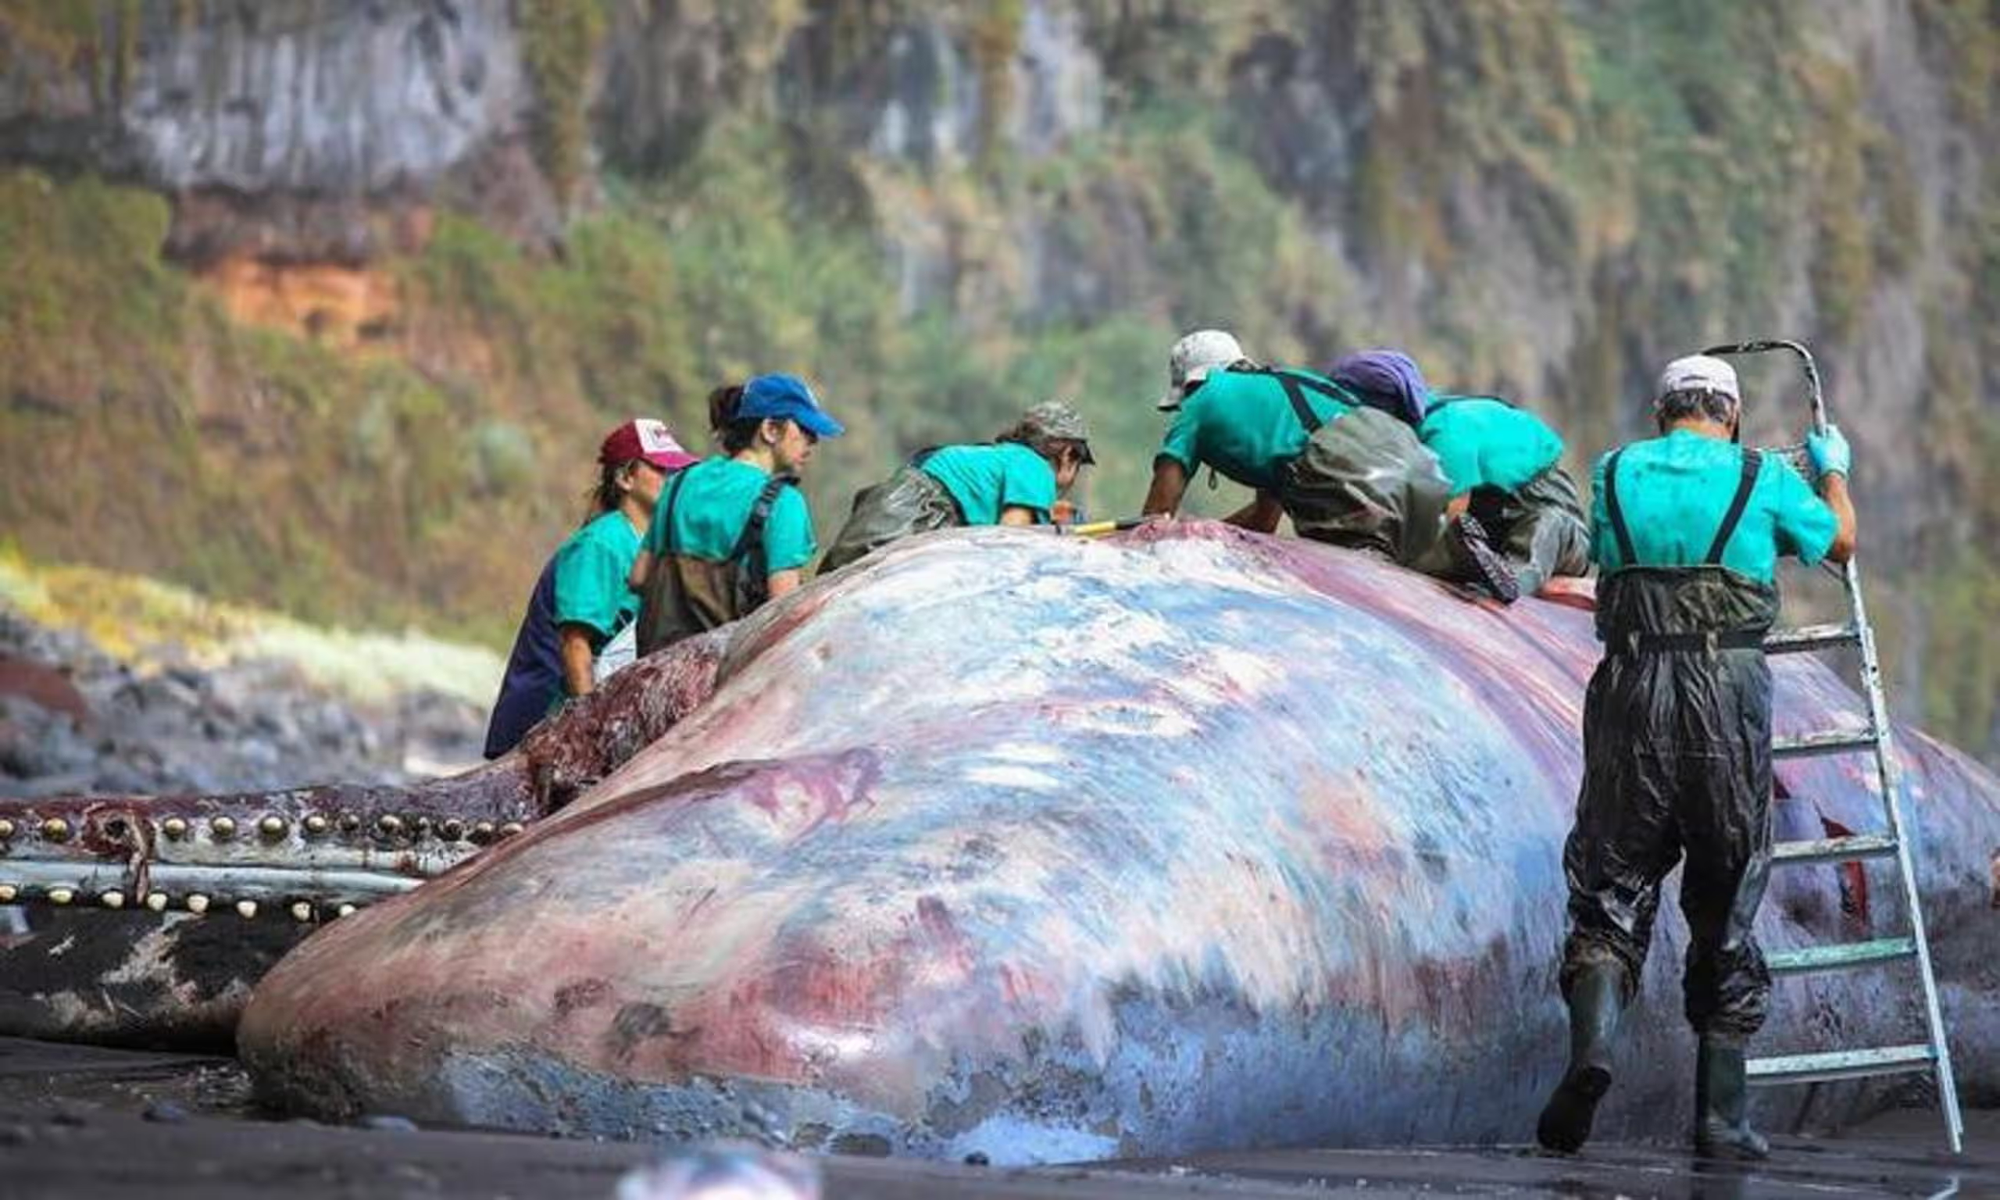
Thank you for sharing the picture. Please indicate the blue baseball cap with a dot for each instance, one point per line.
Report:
(786, 397)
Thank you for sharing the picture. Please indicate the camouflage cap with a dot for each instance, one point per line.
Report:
(1056, 421)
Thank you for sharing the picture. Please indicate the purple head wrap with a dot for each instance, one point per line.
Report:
(1384, 379)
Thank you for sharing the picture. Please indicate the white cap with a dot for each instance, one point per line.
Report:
(1193, 357)
(1699, 373)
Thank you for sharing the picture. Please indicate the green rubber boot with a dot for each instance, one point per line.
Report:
(1721, 1093)
(1595, 1004)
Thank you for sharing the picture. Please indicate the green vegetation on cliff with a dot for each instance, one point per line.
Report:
(559, 40)
(421, 478)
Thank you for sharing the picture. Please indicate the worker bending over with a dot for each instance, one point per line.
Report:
(1014, 480)
(1503, 464)
(1505, 468)
(1686, 529)
(1345, 472)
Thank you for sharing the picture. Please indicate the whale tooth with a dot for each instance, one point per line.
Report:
(510, 829)
(390, 824)
(345, 910)
(157, 901)
(6, 829)
(61, 895)
(223, 828)
(451, 830)
(112, 899)
(174, 827)
(315, 824)
(197, 903)
(55, 829)
(301, 911)
(7, 893)
(272, 826)
(246, 908)
(482, 833)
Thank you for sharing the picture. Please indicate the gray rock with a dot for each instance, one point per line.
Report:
(249, 725)
(166, 1112)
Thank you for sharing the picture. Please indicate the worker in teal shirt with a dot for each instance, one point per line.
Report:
(1686, 529)
(1507, 487)
(1014, 480)
(734, 531)
(1505, 468)
(1344, 472)
(580, 601)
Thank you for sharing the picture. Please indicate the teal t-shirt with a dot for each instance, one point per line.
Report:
(591, 568)
(987, 479)
(1242, 424)
(1482, 442)
(712, 507)
(1674, 492)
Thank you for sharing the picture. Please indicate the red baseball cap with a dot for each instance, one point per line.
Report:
(645, 438)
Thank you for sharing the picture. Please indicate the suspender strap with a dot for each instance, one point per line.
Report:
(1332, 392)
(1745, 483)
(1296, 394)
(1296, 386)
(667, 513)
(1627, 557)
(760, 512)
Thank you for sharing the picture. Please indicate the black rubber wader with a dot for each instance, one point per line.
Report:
(1677, 765)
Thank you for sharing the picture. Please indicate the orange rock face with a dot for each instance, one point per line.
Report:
(339, 305)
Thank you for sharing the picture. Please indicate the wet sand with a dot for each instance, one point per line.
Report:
(89, 1122)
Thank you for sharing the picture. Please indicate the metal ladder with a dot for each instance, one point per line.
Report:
(1933, 1055)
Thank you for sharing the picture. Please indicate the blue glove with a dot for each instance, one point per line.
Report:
(1829, 452)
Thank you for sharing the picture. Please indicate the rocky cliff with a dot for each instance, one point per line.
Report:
(324, 303)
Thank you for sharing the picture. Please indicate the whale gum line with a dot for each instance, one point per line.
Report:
(174, 977)
(1005, 843)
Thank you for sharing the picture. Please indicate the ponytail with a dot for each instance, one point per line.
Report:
(735, 433)
(605, 495)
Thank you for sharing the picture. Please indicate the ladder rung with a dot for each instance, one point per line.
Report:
(1835, 742)
(1853, 848)
(1841, 955)
(1810, 637)
(1839, 1064)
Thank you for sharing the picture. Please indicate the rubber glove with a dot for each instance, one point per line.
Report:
(1829, 452)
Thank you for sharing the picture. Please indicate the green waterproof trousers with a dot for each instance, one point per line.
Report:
(907, 503)
(1541, 528)
(1365, 481)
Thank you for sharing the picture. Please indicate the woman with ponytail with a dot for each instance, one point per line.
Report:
(581, 600)
(734, 531)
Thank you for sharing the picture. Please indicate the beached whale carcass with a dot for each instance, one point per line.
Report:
(1007, 843)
